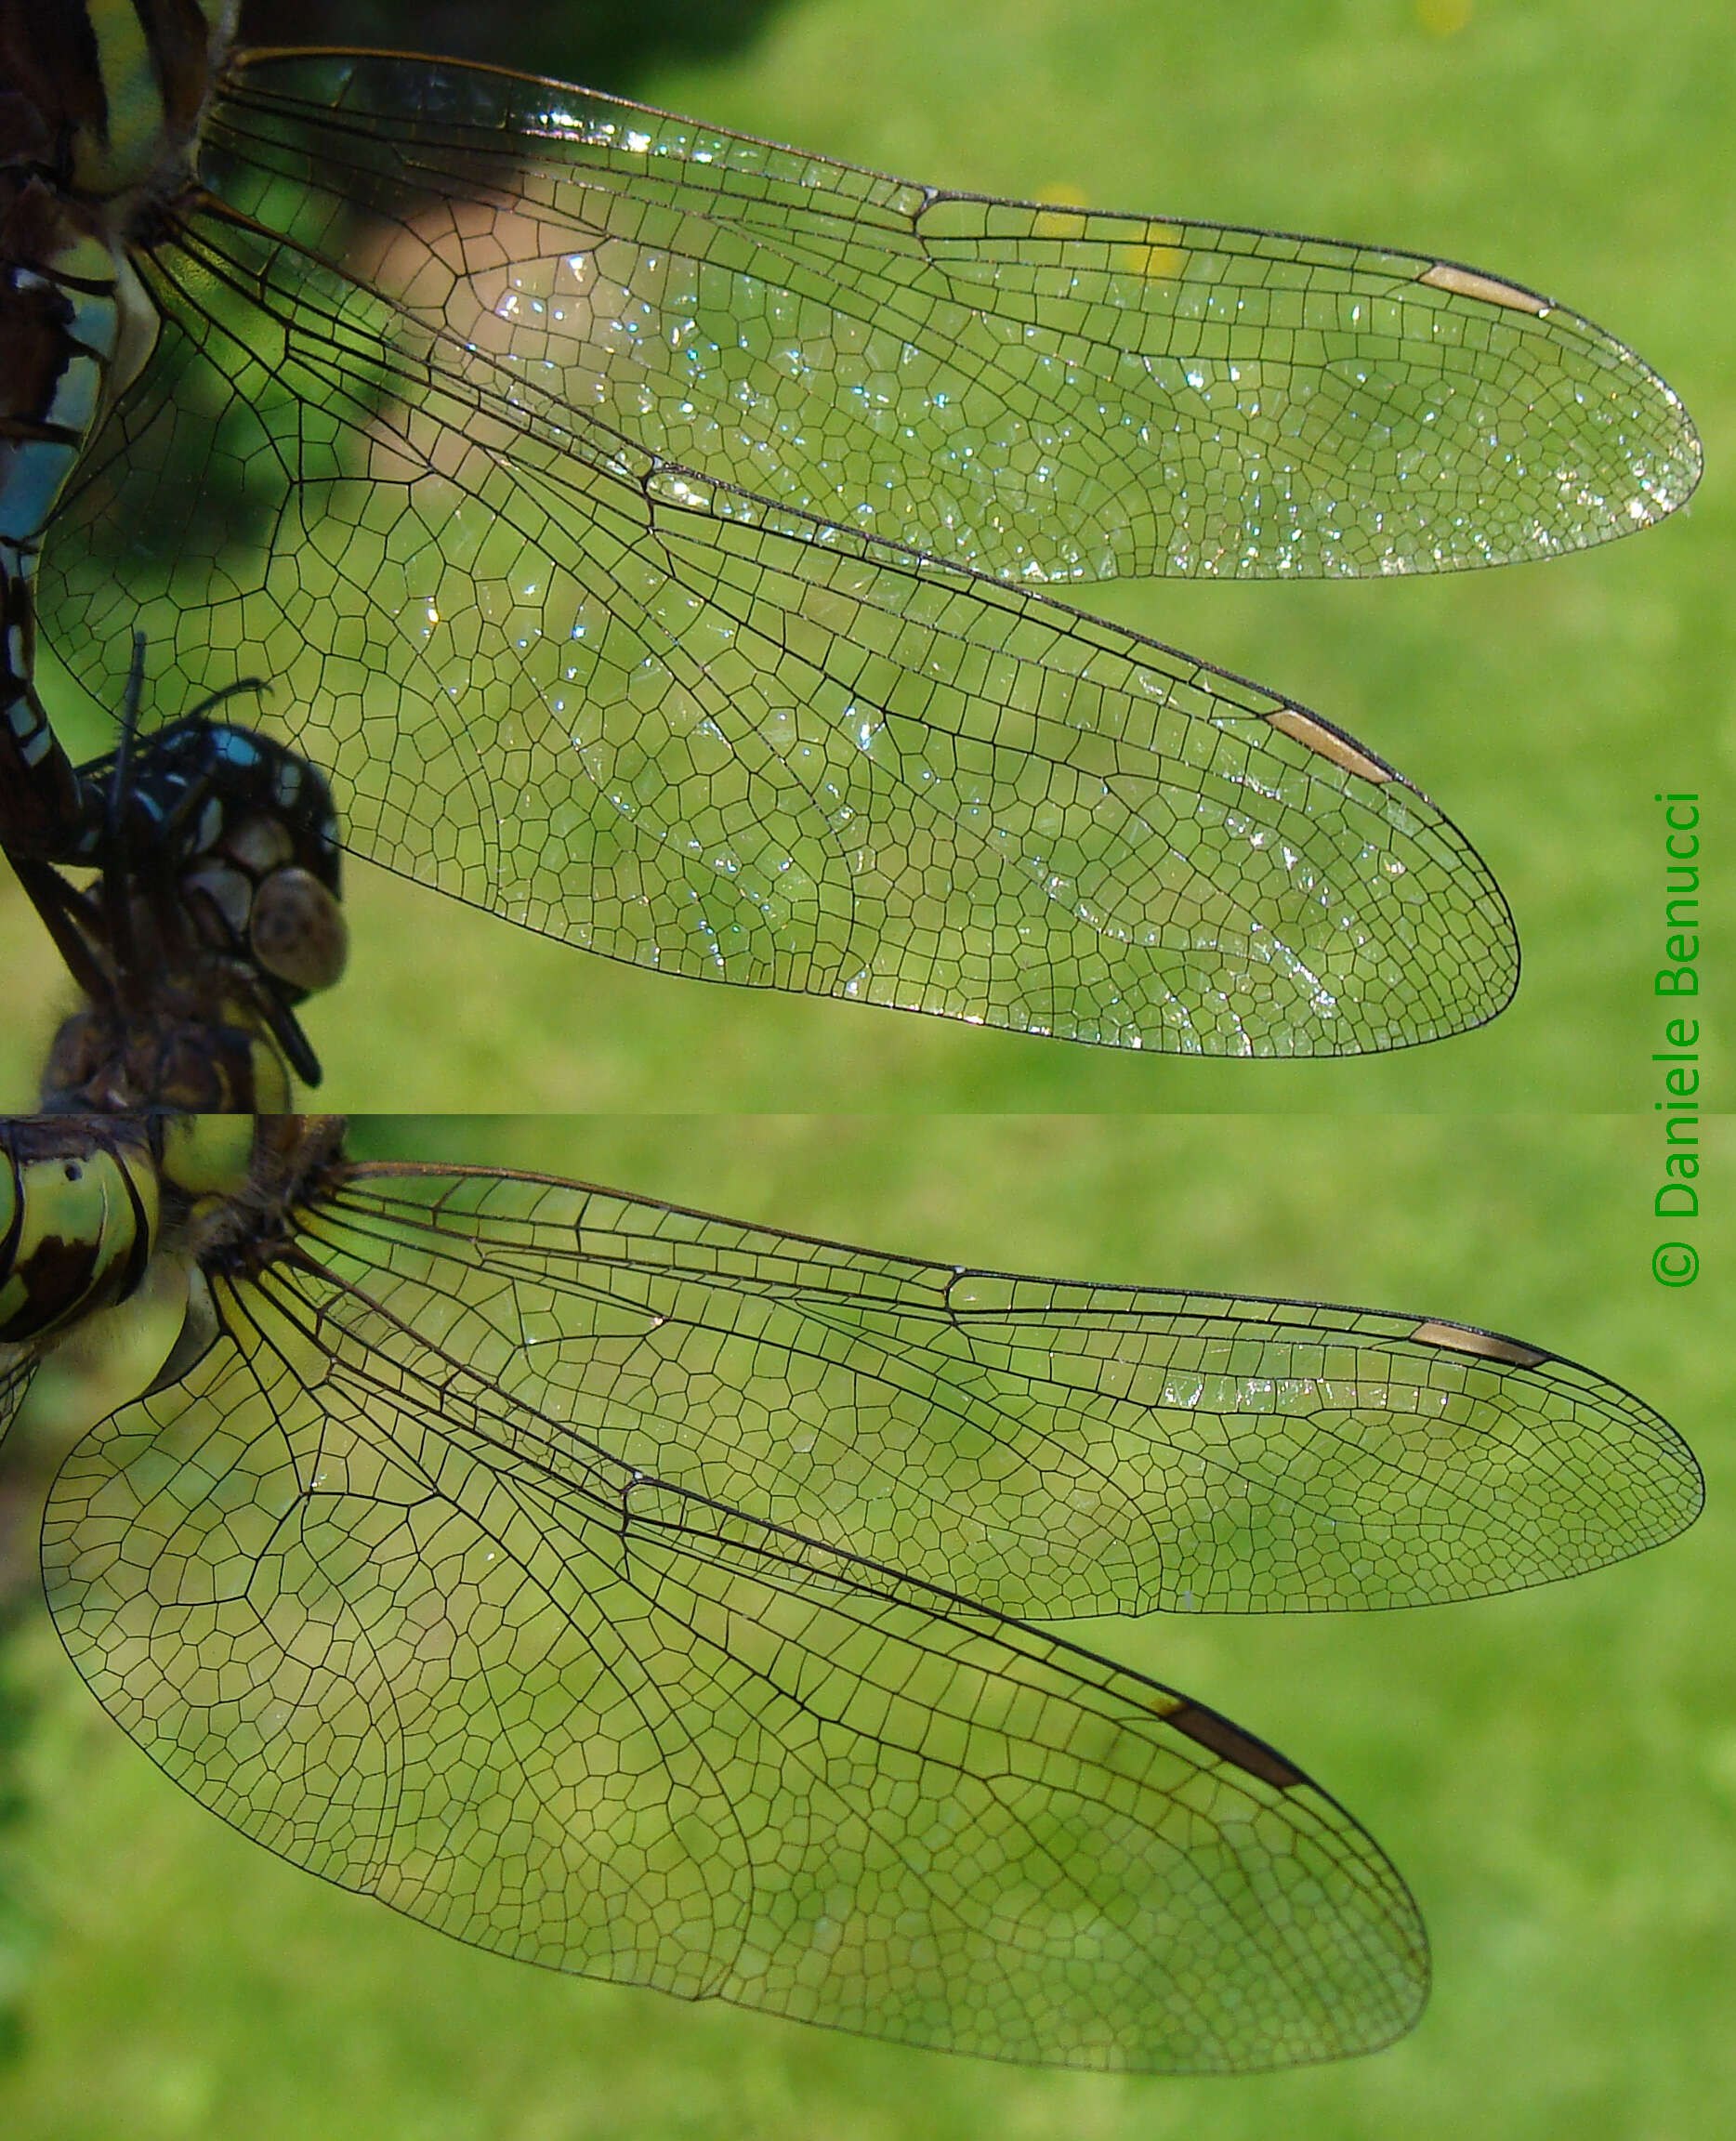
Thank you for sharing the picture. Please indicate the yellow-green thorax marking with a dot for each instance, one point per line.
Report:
(85, 1202)
(79, 1213)
(100, 106)
(97, 1213)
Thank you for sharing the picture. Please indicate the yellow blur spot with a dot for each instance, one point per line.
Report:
(1062, 196)
(1156, 262)
(1159, 256)
(1442, 17)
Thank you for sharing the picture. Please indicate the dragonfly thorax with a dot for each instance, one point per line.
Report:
(101, 103)
(105, 99)
(77, 1223)
(196, 1047)
(292, 1160)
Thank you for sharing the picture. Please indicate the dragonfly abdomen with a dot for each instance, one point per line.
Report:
(59, 329)
(100, 104)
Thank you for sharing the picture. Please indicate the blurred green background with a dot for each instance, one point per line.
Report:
(605, 43)
(1581, 149)
(1554, 1773)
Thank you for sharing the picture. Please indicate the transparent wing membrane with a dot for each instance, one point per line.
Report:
(700, 732)
(1045, 392)
(17, 1368)
(612, 1728)
(639, 523)
(627, 1591)
(1046, 1447)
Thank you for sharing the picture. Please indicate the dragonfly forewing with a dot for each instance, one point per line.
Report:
(706, 734)
(1045, 1446)
(640, 522)
(1048, 392)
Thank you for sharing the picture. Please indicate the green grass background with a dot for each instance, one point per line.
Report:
(1579, 146)
(1554, 1773)
(1557, 1773)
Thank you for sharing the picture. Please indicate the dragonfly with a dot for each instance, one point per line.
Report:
(650, 531)
(215, 912)
(652, 1595)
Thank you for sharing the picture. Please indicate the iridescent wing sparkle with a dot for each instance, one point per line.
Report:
(624, 1590)
(640, 522)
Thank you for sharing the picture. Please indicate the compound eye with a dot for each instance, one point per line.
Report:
(298, 931)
